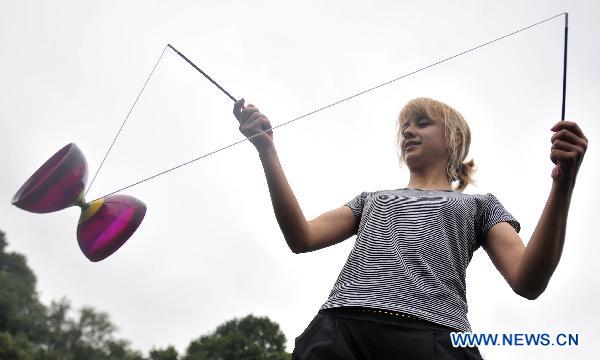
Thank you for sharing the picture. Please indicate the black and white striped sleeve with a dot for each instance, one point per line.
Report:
(357, 204)
(493, 213)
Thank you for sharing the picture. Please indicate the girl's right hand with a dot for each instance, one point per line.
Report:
(252, 122)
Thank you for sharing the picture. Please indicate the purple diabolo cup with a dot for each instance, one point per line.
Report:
(104, 225)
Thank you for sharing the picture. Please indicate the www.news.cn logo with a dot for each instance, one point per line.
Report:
(468, 339)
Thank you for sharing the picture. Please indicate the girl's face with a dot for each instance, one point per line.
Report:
(430, 147)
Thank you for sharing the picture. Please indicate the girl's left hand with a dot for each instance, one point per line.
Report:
(567, 151)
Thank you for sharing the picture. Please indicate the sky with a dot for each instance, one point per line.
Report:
(209, 248)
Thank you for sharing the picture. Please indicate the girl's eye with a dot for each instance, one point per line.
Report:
(422, 122)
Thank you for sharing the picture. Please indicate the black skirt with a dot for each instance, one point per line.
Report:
(353, 334)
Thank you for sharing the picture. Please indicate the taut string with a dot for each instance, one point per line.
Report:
(332, 104)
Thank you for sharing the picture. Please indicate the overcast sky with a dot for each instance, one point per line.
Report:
(209, 248)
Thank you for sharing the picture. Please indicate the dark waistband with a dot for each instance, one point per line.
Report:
(385, 316)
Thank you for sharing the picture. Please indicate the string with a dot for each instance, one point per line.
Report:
(344, 99)
(124, 121)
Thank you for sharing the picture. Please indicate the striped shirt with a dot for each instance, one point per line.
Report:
(412, 250)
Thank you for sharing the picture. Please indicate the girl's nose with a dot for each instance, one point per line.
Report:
(408, 130)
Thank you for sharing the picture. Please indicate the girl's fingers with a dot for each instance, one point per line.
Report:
(556, 173)
(259, 124)
(567, 135)
(246, 113)
(562, 156)
(254, 125)
(255, 115)
(250, 123)
(563, 134)
(571, 126)
(237, 108)
(564, 145)
(265, 124)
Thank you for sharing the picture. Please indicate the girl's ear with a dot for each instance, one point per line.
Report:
(458, 138)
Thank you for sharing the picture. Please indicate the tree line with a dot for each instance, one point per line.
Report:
(30, 330)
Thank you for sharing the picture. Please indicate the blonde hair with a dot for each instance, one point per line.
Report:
(456, 131)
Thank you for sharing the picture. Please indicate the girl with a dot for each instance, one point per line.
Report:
(402, 290)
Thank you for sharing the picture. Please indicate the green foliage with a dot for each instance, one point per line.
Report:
(249, 338)
(15, 347)
(90, 336)
(20, 309)
(167, 354)
(31, 331)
